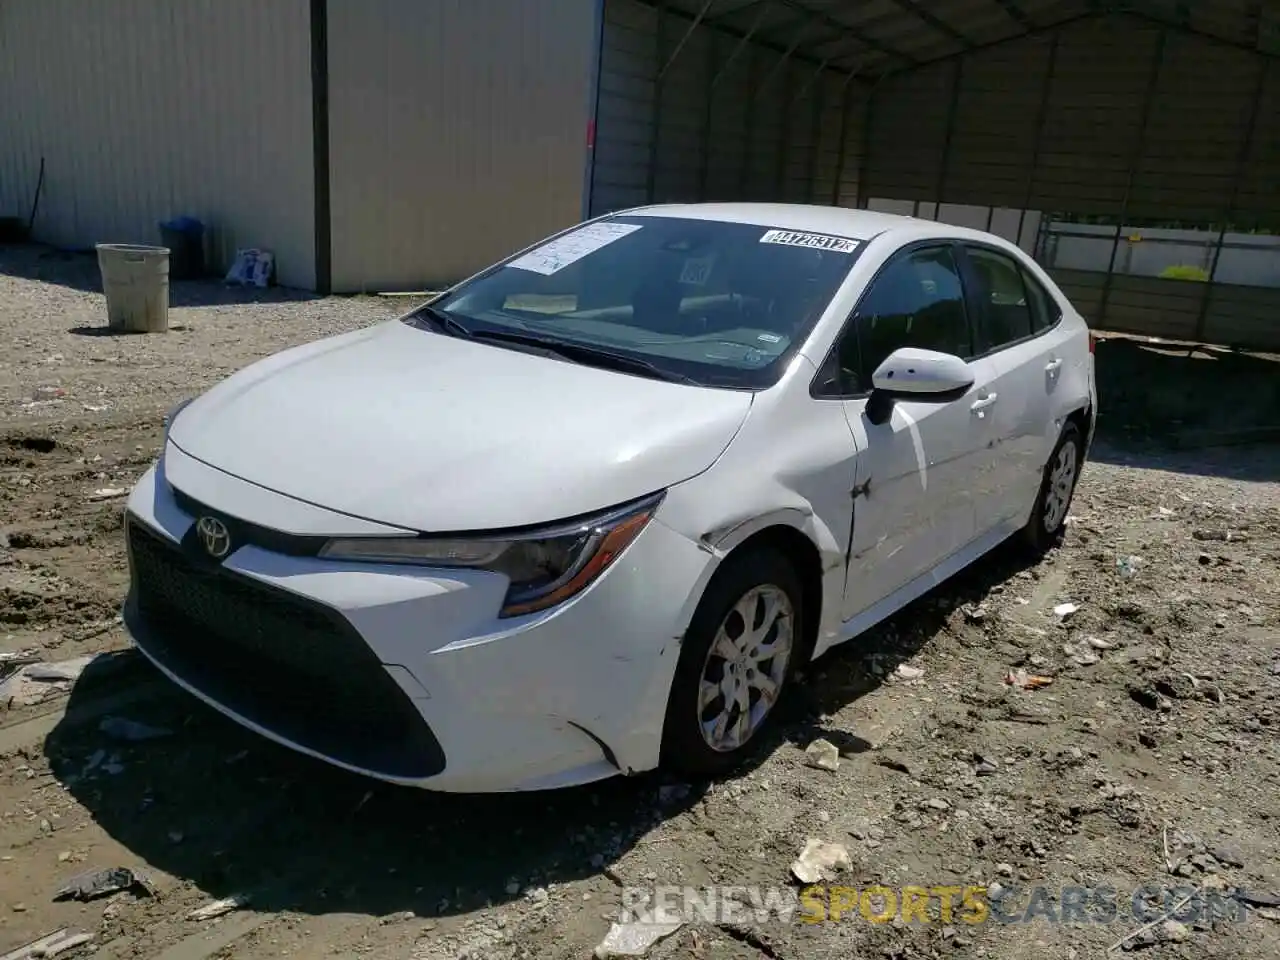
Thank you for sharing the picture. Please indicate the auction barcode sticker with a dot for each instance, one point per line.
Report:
(817, 241)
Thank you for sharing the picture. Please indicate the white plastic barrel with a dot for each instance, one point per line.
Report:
(135, 279)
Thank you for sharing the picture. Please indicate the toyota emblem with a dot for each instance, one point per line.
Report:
(215, 537)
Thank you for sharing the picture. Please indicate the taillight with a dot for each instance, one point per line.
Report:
(1093, 341)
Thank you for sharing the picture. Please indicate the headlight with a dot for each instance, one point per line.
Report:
(545, 566)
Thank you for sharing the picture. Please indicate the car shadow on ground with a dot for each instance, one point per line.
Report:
(208, 803)
(79, 270)
(1208, 411)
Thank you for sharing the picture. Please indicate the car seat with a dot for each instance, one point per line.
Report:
(655, 306)
(778, 287)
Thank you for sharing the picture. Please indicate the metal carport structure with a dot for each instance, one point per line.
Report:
(1025, 117)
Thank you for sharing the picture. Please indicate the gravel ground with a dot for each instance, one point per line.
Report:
(1150, 757)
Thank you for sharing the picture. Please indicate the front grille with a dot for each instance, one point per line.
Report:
(282, 661)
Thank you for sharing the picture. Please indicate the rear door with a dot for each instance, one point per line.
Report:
(1020, 332)
(913, 504)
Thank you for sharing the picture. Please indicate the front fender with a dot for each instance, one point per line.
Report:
(793, 464)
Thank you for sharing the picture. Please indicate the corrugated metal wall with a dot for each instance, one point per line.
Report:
(1103, 147)
(145, 109)
(458, 132)
(727, 121)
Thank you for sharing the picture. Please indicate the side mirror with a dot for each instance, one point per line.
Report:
(913, 372)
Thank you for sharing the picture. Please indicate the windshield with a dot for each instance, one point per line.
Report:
(715, 303)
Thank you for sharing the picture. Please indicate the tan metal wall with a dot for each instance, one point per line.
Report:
(458, 132)
(1087, 143)
(146, 109)
(733, 120)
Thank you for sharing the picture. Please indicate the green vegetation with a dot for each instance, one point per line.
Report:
(1185, 272)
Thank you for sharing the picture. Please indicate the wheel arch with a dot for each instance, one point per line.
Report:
(1083, 417)
(788, 539)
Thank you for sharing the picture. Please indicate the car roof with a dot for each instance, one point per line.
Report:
(839, 221)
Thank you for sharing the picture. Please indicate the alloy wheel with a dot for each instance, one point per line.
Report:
(745, 667)
(1062, 482)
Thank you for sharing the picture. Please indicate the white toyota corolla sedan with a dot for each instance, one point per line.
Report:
(589, 511)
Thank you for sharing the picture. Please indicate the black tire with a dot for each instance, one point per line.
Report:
(1046, 527)
(684, 748)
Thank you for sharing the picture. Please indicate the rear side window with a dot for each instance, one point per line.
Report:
(1045, 311)
(1003, 295)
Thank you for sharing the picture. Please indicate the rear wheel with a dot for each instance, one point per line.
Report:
(737, 660)
(1048, 520)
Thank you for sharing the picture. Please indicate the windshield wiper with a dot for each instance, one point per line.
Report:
(442, 320)
(582, 353)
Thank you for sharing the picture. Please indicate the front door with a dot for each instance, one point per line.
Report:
(915, 471)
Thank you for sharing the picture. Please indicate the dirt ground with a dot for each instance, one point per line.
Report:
(1151, 757)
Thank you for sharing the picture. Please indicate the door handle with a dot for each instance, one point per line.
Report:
(1052, 367)
(980, 405)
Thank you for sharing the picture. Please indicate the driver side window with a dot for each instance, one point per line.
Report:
(916, 301)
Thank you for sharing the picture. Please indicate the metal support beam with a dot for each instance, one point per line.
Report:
(321, 197)
(720, 25)
(675, 52)
(753, 98)
(708, 111)
(794, 101)
(864, 161)
(1042, 235)
(808, 84)
(1242, 163)
(1039, 31)
(944, 163)
(597, 64)
(1139, 148)
(870, 43)
(819, 46)
(1037, 146)
(738, 48)
(1015, 13)
(784, 137)
(659, 81)
(655, 110)
(842, 146)
(815, 136)
(733, 12)
(749, 122)
(709, 106)
(941, 26)
(1172, 24)
(782, 63)
(1254, 14)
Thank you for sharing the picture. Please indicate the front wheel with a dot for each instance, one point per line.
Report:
(1048, 520)
(737, 659)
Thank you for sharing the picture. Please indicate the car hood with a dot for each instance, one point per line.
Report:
(434, 433)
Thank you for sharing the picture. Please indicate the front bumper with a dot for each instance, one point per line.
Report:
(404, 673)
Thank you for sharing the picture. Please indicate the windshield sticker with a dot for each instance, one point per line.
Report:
(559, 253)
(817, 241)
(696, 272)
